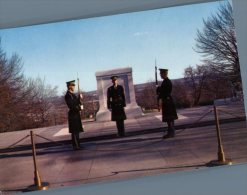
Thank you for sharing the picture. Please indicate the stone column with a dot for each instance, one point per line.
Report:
(125, 79)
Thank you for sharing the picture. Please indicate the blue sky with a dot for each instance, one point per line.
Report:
(58, 51)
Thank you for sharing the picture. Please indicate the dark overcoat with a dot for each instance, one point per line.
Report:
(169, 112)
(74, 116)
(116, 102)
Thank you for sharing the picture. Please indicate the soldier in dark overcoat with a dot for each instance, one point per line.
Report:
(116, 103)
(169, 113)
(74, 116)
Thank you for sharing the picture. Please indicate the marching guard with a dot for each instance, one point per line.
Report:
(74, 117)
(116, 103)
(169, 113)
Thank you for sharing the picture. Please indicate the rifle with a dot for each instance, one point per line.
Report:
(157, 87)
(79, 91)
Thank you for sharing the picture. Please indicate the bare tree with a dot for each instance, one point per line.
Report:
(196, 79)
(11, 90)
(42, 108)
(218, 86)
(217, 42)
(181, 94)
(24, 102)
(146, 98)
(206, 85)
(90, 104)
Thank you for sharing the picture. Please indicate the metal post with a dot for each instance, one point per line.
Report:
(38, 185)
(37, 179)
(221, 155)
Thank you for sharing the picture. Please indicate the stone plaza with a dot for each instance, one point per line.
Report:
(105, 157)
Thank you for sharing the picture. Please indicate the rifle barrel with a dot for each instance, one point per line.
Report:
(156, 77)
(78, 85)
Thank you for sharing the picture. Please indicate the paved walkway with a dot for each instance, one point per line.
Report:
(147, 123)
(142, 152)
(125, 158)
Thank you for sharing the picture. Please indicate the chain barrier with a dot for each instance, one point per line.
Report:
(226, 112)
(17, 142)
(194, 123)
(136, 147)
(41, 187)
(50, 140)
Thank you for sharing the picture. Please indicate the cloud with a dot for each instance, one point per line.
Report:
(140, 33)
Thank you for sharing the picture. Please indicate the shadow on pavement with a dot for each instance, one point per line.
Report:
(162, 168)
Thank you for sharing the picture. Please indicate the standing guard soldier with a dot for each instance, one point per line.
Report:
(116, 103)
(74, 117)
(169, 113)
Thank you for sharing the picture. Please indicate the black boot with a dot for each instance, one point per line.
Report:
(76, 141)
(120, 127)
(170, 131)
(169, 135)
